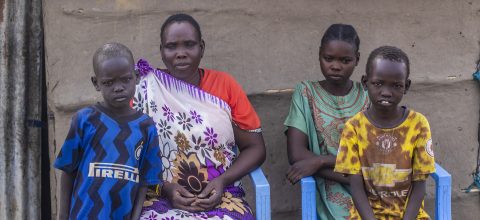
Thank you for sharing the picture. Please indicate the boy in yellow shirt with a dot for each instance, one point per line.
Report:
(387, 149)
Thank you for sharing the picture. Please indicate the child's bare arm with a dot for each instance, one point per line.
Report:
(360, 197)
(137, 207)
(306, 163)
(328, 173)
(66, 187)
(415, 200)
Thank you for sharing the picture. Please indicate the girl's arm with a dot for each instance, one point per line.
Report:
(328, 173)
(137, 206)
(360, 197)
(297, 146)
(415, 200)
(66, 187)
(306, 163)
(252, 154)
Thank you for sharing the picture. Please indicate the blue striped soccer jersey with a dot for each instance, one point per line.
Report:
(111, 157)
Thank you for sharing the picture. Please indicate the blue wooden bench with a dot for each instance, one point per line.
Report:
(443, 195)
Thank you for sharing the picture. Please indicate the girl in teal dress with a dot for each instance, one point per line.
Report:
(316, 119)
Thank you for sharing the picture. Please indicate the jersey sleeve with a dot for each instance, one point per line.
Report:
(348, 158)
(70, 154)
(423, 156)
(151, 170)
(297, 117)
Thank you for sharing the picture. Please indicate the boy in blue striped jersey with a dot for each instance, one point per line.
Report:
(111, 152)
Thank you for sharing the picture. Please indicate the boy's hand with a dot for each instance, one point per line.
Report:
(180, 197)
(303, 168)
(211, 196)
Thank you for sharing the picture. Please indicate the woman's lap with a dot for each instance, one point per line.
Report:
(233, 206)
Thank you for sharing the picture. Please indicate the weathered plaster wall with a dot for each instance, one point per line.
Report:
(270, 45)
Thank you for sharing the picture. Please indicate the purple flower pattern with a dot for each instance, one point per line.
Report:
(199, 145)
(138, 102)
(184, 121)
(143, 86)
(198, 119)
(143, 67)
(211, 137)
(168, 113)
(164, 129)
(153, 106)
(152, 216)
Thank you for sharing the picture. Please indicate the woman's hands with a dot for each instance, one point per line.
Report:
(211, 196)
(180, 197)
(303, 168)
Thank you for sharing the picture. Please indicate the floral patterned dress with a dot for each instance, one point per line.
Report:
(196, 143)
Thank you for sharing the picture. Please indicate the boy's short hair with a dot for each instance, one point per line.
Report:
(388, 53)
(111, 50)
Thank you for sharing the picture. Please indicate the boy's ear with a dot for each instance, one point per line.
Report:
(407, 85)
(95, 83)
(364, 82)
(202, 47)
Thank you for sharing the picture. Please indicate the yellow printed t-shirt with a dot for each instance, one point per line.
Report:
(388, 159)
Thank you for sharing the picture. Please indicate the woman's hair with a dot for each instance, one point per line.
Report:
(343, 32)
(391, 53)
(181, 18)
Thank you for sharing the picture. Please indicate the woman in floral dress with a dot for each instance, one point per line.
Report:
(202, 117)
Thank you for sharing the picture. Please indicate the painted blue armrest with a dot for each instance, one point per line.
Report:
(309, 206)
(262, 194)
(443, 193)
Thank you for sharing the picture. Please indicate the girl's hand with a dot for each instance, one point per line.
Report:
(211, 196)
(303, 168)
(180, 197)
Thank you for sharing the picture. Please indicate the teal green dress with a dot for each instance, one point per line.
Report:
(321, 116)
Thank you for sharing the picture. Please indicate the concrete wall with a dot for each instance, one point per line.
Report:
(269, 46)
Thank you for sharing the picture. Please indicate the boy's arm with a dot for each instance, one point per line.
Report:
(360, 197)
(66, 187)
(423, 165)
(415, 200)
(137, 207)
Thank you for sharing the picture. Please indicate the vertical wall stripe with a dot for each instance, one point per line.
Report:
(21, 66)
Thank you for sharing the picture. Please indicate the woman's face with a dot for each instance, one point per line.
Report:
(181, 50)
